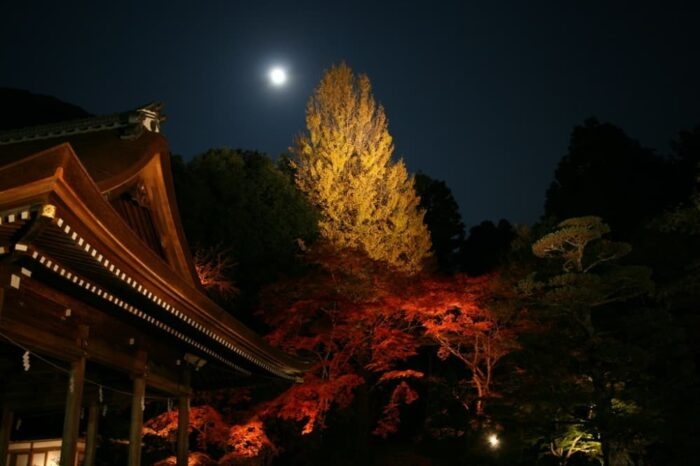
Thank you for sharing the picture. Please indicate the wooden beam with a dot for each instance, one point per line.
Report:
(36, 401)
(91, 440)
(98, 351)
(183, 423)
(71, 420)
(46, 396)
(137, 401)
(5, 429)
(40, 340)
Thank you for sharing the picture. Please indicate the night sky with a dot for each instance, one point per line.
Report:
(481, 96)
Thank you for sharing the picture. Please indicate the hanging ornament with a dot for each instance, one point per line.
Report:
(25, 361)
(104, 410)
(170, 405)
(19, 423)
(100, 394)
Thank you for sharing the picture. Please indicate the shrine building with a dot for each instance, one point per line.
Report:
(100, 304)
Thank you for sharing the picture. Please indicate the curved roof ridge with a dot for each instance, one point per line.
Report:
(134, 122)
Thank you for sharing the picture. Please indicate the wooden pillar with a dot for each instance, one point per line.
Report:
(137, 400)
(5, 429)
(183, 423)
(7, 414)
(71, 420)
(91, 440)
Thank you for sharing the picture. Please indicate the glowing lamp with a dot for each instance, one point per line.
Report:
(493, 440)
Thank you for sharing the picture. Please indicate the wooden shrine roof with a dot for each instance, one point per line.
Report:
(57, 187)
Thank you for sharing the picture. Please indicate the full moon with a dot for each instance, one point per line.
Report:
(278, 76)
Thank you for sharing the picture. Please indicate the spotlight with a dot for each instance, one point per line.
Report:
(494, 441)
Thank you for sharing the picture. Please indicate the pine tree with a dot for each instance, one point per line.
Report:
(344, 164)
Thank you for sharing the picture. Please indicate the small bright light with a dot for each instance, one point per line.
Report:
(493, 441)
(278, 76)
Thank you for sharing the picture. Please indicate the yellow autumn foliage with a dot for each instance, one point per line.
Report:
(344, 164)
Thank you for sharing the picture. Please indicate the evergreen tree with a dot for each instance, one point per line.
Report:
(598, 375)
(442, 218)
(608, 174)
(239, 203)
(486, 247)
(344, 164)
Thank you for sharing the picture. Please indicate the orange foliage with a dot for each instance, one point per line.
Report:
(360, 323)
(205, 420)
(193, 459)
(455, 313)
(310, 402)
(249, 439)
(340, 318)
(211, 266)
(388, 424)
(392, 375)
(246, 440)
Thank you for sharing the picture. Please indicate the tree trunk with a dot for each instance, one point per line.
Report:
(605, 447)
(363, 425)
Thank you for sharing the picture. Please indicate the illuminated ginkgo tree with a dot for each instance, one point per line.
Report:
(344, 164)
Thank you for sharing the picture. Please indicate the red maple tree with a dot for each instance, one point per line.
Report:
(195, 458)
(241, 440)
(361, 323)
(340, 317)
(458, 315)
(207, 422)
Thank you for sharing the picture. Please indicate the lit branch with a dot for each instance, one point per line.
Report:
(211, 266)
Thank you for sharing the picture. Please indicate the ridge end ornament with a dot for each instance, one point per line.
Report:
(48, 210)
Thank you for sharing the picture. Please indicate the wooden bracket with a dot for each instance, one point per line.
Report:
(82, 337)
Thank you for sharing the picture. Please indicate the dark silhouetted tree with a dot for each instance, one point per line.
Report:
(486, 247)
(243, 204)
(685, 166)
(608, 174)
(19, 109)
(442, 218)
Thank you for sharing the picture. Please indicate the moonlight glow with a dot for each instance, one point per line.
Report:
(278, 76)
